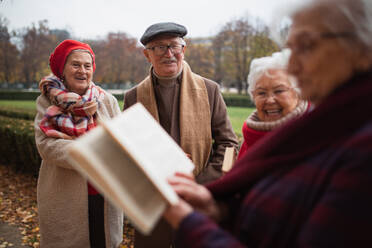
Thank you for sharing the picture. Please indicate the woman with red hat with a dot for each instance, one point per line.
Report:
(71, 212)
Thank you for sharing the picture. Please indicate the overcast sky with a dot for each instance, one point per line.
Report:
(95, 18)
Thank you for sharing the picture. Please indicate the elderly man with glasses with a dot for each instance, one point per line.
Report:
(188, 106)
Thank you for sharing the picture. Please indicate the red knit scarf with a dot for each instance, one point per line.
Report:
(70, 114)
(288, 145)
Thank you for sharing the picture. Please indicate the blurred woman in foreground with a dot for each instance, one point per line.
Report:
(310, 185)
(275, 95)
(71, 212)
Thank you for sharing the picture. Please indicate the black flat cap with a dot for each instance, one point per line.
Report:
(163, 28)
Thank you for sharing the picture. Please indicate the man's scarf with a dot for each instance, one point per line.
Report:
(328, 124)
(195, 116)
(70, 114)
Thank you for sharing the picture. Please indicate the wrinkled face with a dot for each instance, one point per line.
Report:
(78, 71)
(274, 96)
(168, 64)
(321, 60)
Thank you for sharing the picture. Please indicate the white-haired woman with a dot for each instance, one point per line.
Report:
(275, 95)
(309, 182)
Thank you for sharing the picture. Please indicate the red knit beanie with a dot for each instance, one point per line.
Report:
(58, 58)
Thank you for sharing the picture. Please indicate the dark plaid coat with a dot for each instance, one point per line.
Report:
(307, 184)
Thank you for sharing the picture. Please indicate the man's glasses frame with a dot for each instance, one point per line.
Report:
(162, 49)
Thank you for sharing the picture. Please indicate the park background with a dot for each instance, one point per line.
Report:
(222, 52)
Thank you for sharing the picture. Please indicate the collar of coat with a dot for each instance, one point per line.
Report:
(194, 114)
(256, 124)
(327, 125)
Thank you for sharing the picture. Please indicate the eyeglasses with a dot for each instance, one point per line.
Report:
(162, 49)
(304, 41)
(261, 94)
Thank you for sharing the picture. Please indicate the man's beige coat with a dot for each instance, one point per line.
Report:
(62, 193)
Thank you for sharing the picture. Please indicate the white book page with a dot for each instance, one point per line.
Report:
(114, 174)
(150, 145)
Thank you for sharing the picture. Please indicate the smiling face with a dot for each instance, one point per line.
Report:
(274, 96)
(168, 64)
(78, 72)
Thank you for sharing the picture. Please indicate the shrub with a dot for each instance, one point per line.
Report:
(235, 100)
(18, 147)
(17, 113)
(18, 95)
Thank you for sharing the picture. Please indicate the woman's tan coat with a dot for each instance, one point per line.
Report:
(62, 193)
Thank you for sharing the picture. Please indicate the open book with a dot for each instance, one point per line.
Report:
(128, 159)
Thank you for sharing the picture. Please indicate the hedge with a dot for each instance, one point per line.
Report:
(18, 146)
(17, 113)
(235, 100)
(232, 100)
(18, 95)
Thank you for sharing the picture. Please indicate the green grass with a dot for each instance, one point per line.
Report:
(237, 114)
(18, 109)
(26, 105)
(237, 117)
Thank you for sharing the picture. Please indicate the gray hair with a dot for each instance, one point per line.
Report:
(354, 16)
(82, 50)
(261, 66)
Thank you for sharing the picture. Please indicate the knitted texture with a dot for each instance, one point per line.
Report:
(70, 114)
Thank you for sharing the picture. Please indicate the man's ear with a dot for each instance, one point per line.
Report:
(146, 53)
(183, 52)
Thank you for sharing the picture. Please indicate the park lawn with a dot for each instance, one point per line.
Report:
(237, 114)
(237, 117)
(21, 105)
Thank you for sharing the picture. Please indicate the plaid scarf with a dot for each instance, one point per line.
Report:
(70, 114)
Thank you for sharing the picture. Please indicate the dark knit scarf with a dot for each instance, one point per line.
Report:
(290, 144)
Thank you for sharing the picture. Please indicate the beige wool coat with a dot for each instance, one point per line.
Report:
(62, 194)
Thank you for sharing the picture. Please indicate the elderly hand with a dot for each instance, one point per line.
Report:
(193, 196)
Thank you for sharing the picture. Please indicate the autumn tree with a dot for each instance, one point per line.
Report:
(60, 35)
(217, 48)
(199, 56)
(37, 45)
(238, 42)
(119, 59)
(261, 46)
(8, 53)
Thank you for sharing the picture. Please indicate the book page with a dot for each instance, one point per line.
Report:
(128, 159)
(122, 182)
(150, 146)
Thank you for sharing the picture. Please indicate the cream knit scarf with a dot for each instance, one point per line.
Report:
(255, 123)
(195, 116)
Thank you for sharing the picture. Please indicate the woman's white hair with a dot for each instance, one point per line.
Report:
(353, 16)
(261, 66)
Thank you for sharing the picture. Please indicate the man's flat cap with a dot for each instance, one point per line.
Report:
(163, 28)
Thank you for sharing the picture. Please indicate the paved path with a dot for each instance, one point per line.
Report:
(10, 234)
